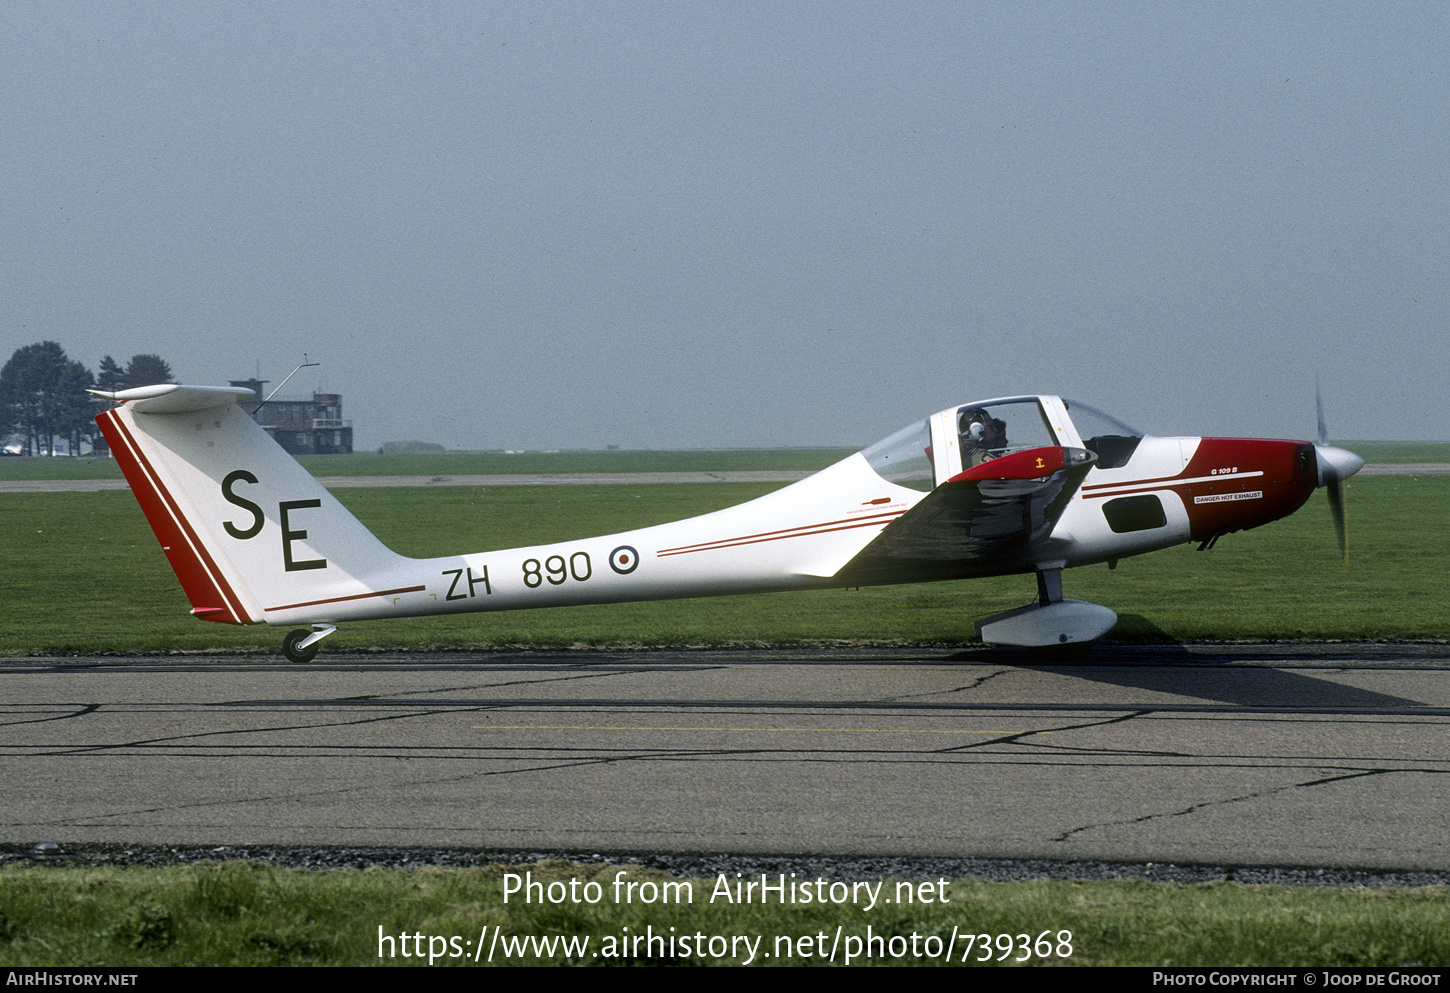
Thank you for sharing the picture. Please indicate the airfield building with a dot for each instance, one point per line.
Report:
(301, 426)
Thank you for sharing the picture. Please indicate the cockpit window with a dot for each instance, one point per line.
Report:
(905, 457)
(1112, 440)
(987, 431)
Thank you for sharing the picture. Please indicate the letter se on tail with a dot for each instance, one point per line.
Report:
(1029, 484)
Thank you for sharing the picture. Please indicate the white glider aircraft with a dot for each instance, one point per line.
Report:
(1028, 484)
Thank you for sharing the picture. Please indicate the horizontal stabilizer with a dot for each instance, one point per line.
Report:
(169, 398)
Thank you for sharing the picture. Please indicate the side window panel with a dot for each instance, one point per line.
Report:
(905, 457)
(1135, 513)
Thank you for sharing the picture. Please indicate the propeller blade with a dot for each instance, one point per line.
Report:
(1319, 410)
(1335, 465)
(1341, 527)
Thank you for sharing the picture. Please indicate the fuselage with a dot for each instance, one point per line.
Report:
(1145, 493)
(1014, 485)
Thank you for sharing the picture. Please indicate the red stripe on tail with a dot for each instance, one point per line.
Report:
(212, 598)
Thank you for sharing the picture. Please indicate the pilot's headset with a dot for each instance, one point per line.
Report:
(972, 426)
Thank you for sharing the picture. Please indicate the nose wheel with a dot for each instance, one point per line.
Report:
(301, 645)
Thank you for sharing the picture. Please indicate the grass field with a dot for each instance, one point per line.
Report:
(84, 574)
(244, 914)
(1399, 452)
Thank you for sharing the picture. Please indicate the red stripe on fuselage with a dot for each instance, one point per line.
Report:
(212, 598)
(796, 532)
(341, 599)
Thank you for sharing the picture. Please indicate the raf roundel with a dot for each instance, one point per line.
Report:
(623, 560)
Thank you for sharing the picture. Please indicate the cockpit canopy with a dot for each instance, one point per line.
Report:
(1111, 440)
(929, 452)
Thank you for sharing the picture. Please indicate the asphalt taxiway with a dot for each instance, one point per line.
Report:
(1292, 755)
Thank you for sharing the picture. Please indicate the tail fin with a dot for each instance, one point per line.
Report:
(251, 535)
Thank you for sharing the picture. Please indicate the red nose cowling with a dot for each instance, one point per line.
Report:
(1233, 484)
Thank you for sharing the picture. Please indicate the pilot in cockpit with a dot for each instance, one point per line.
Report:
(981, 434)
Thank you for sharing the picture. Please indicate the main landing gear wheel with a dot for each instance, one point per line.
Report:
(291, 649)
(1053, 629)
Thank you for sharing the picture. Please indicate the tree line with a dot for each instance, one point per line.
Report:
(43, 395)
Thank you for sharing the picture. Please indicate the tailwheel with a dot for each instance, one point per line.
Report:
(292, 646)
(301, 645)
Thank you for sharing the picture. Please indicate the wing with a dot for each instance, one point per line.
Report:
(985, 521)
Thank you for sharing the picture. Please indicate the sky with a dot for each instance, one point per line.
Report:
(702, 225)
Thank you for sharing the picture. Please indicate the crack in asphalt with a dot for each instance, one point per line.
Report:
(89, 708)
(1195, 807)
(109, 819)
(1019, 737)
(931, 694)
(1099, 750)
(514, 682)
(145, 742)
